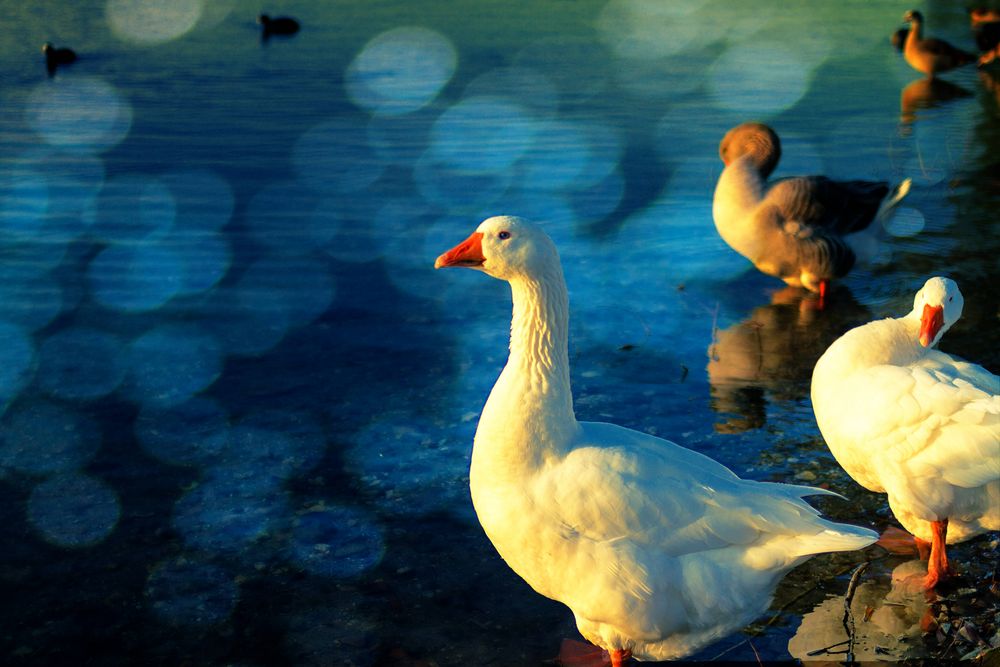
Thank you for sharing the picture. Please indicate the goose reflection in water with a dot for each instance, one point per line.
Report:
(926, 94)
(888, 621)
(990, 79)
(773, 352)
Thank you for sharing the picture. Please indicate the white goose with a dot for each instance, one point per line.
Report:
(657, 549)
(806, 230)
(915, 423)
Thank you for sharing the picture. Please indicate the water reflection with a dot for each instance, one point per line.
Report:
(769, 356)
(888, 621)
(927, 94)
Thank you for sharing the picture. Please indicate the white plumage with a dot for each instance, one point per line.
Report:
(657, 549)
(915, 423)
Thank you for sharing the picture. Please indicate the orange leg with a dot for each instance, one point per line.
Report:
(923, 548)
(937, 564)
(619, 656)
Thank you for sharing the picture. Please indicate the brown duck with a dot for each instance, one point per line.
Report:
(928, 55)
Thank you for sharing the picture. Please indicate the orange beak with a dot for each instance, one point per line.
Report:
(467, 253)
(930, 323)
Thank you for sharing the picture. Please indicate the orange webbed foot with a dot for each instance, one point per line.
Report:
(898, 541)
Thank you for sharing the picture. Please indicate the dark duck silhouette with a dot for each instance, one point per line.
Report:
(928, 55)
(986, 31)
(279, 25)
(55, 57)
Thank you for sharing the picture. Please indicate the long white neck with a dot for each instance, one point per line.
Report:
(738, 192)
(529, 414)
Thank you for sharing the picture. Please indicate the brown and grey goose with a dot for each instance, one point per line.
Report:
(928, 55)
(806, 230)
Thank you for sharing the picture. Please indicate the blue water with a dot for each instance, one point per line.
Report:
(237, 402)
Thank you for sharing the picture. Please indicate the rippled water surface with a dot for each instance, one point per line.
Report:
(237, 402)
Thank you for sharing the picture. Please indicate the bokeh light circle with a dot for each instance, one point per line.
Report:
(410, 466)
(151, 22)
(194, 432)
(24, 203)
(171, 363)
(61, 187)
(31, 301)
(274, 444)
(229, 518)
(758, 78)
(74, 510)
(41, 438)
(905, 221)
(530, 87)
(205, 258)
(483, 134)
(80, 364)
(337, 541)
(649, 29)
(135, 278)
(133, 208)
(83, 114)
(400, 71)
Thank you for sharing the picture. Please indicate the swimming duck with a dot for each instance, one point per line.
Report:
(280, 25)
(806, 230)
(928, 55)
(55, 57)
(657, 549)
(917, 424)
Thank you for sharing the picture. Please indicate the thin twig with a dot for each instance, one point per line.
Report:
(806, 592)
(734, 646)
(756, 655)
(826, 649)
(848, 620)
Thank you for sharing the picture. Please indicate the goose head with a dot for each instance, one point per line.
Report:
(505, 247)
(939, 305)
(756, 140)
(47, 48)
(913, 16)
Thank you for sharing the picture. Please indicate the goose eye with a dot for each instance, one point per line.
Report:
(504, 235)
(950, 299)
